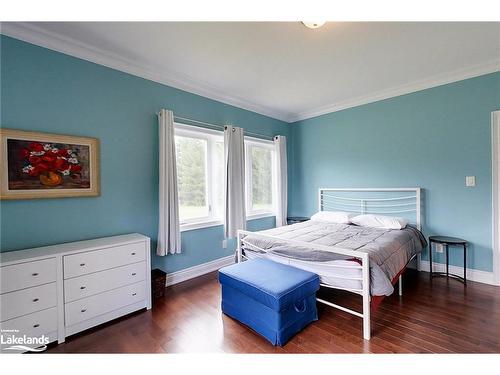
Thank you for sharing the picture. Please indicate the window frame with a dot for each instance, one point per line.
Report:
(251, 142)
(211, 137)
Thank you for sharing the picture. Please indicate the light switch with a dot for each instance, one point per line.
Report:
(470, 181)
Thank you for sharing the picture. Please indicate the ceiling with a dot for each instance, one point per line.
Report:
(281, 69)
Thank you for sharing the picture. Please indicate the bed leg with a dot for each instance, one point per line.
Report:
(400, 284)
(366, 320)
(366, 298)
(366, 326)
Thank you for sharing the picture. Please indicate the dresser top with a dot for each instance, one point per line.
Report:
(69, 247)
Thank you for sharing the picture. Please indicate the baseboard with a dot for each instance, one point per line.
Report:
(195, 271)
(472, 274)
(202, 269)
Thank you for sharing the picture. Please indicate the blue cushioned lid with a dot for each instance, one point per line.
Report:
(273, 284)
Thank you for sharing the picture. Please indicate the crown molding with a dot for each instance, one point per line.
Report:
(33, 34)
(434, 81)
(36, 35)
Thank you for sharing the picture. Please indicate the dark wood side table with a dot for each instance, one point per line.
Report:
(296, 219)
(447, 242)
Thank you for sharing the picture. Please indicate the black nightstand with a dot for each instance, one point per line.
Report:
(296, 219)
(447, 242)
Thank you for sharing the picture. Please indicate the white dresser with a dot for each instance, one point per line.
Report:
(59, 290)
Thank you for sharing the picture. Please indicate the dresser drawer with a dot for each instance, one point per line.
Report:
(88, 308)
(95, 283)
(33, 325)
(100, 260)
(25, 275)
(27, 301)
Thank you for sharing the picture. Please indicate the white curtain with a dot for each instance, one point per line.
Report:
(282, 180)
(234, 181)
(169, 236)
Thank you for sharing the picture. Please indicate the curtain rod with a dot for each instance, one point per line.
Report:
(221, 127)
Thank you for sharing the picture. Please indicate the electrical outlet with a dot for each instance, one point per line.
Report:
(439, 248)
(224, 244)
(470, 181)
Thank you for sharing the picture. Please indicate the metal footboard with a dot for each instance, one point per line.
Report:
(364, 267)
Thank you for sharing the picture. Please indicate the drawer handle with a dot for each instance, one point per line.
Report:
(83, 310)
(134, 294)
(133, 274)
(36, 325)
(82, 264)
(35, 300)
(133, 253)
(34, 274)
(82, 287)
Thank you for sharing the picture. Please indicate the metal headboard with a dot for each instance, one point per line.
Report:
(394, 203)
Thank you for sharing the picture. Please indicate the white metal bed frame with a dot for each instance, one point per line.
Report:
(329, 201)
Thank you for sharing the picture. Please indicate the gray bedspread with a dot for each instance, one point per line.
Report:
(389, 250)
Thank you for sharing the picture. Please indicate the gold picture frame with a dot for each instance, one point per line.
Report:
(43, 165)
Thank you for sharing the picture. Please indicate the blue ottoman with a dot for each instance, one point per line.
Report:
(274, 299)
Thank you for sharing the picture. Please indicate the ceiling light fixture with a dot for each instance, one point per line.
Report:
(313, 24)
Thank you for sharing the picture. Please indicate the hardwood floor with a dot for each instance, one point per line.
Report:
(432, 317)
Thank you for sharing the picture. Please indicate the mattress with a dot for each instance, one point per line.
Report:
(389, 252)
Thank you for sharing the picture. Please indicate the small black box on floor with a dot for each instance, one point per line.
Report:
(158, 283)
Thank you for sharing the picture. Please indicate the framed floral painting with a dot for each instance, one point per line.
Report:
(42, 165)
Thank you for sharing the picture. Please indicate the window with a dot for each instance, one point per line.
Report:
(200, 175)
(260, 177)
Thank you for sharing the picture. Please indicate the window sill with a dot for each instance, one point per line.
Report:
(260, 215)
(216, 223)
(200, 225)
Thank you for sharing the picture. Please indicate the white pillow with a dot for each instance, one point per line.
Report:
(337, 217)
(380, 221)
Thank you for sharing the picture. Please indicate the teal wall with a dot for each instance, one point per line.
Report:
(42, 90)
(431, 138)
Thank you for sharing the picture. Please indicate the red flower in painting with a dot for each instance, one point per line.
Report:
(35, 146)
(61, 164)
(64, 152)
(34, 159)
(45, 159)
(24, 153)
(34, 172)
(43, 167)
(49, 159)
(76, 168)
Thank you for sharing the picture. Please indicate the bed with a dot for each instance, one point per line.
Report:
(362, 260)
